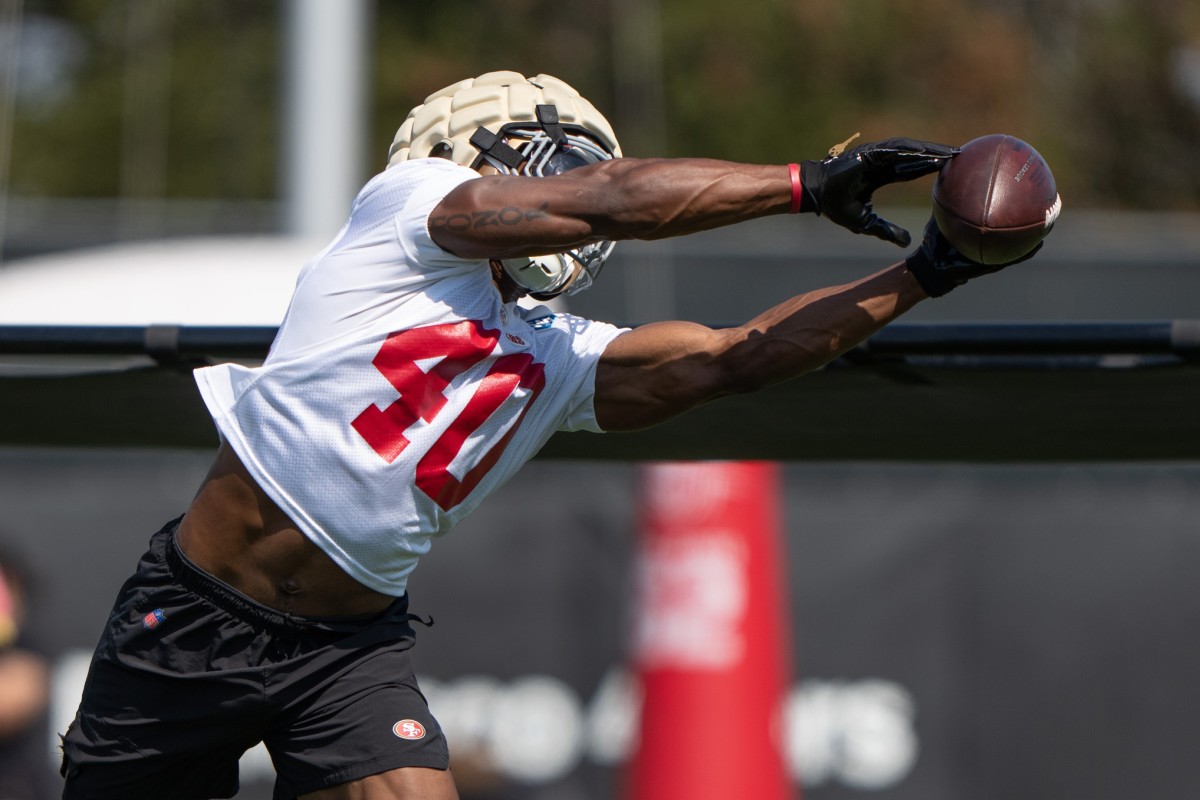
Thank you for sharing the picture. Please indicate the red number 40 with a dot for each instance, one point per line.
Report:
(461, 345)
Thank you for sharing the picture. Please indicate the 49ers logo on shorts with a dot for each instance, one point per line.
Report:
(409, 729)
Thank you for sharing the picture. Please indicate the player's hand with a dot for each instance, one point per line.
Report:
(939, 267)
(840, 186)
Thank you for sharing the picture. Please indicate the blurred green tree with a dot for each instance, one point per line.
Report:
(218, 105)
(1102, 87)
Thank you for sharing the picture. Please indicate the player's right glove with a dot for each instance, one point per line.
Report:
(840, 186)
(939, 267)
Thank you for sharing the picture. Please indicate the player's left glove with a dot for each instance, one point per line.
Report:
(939, 267)
(840, 186)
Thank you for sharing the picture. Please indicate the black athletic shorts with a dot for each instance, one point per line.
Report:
(189, 674)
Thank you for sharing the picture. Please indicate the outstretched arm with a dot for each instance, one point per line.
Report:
(501, 216)
(657, 371)
(504, 216)
(652, 373)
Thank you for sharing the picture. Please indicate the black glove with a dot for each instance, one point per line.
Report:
(840, 186)
(939, 267)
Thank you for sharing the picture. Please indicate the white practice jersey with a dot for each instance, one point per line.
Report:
(400, 390)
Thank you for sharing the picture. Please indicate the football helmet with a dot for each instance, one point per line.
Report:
(535, 126)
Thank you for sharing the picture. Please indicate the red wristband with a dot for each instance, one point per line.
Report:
(794, 172)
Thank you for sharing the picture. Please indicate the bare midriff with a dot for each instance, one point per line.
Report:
(236, 533)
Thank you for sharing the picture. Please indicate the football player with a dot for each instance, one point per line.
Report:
(406, 383)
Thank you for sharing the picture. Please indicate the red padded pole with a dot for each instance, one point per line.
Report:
(710, 642)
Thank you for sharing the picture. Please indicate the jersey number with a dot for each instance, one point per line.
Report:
(461, 345)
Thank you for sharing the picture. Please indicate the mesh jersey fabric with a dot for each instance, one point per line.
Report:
(400, 390)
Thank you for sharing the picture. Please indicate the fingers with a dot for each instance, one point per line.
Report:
(902, 159)
(900, 149)
(858, 215)
(939, 247)
(905, 147)
(918, 147)
(933, 238)
(849, 180)
(907, 169)
(889, 232)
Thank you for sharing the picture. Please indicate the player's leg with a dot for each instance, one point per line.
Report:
(406, 783)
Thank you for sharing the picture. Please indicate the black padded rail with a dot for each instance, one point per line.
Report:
(913, 393)
(161, 342)
(1160, 337)
(1083, 338)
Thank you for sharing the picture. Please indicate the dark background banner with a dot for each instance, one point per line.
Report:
(959, 631)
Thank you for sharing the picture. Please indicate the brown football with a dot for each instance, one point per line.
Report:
(996, 199)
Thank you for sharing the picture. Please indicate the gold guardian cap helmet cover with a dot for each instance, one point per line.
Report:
(535, 126)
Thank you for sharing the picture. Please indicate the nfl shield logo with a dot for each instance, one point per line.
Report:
(151, 620)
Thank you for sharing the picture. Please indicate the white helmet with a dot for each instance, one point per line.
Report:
(555, 129)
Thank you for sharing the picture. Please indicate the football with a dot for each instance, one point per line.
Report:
(996, 199)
